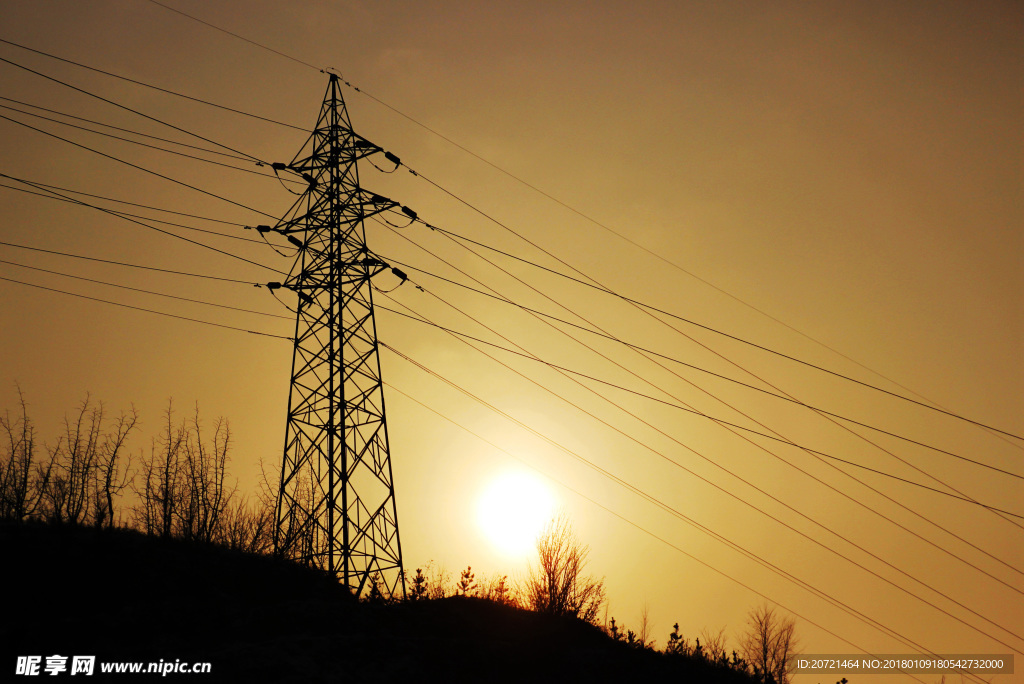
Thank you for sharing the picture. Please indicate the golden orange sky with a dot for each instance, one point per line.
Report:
(852, 169)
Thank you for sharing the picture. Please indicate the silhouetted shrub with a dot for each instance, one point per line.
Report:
(418, 586)
(558, 586)
(499, 590)
(467, 583)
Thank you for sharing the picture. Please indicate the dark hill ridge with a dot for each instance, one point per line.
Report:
(122, 596)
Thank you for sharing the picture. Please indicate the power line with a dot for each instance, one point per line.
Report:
(146, 145)
(759, 423)
(128, 265)
(145, 225)
(772, 453)
(153, 87)
(847, 428)
(650, 252)
(136, 289)
(594, 221)
(419, 365)
(134, 204)
(128, 214)
(645, 350)
(619, 235)
(676, 513)
(720, 421)
(152, 311)
(595, 284)
(702, 326)
(471, 153)
(749, 554)
(932, 406)
(56, 196)
(416, 173)
(235, 35)
(110, 126)
(135, 166)
(390, 348)
(827, 547)
(129, 109)
(621, 517)
(988, 574)
(661, 257)
(228, 32)
(609, 229)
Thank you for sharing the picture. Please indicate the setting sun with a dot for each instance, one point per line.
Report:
(512, 511)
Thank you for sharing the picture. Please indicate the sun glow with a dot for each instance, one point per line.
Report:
(512, 511)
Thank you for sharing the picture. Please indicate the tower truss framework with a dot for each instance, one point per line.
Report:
(336, 504)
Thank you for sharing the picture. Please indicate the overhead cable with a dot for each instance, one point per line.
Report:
(743, 500)
(855, 500)
(142, 144)
(621, 517)
(129, 109)
(129, 265)
(110, 126)
(680, 407)
(666, 507)
(143, 224)
(641, 348)
(137, 289)
(153, 87)
(736, 338)
(138, 216)
(139, 308)
(135, 166)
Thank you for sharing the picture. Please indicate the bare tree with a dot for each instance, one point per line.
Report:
(183, 489)
(558, 586)
(769, 642)
(185, 492)
(74, 459)
(644, 633)
(713, 644)
(295, 523)
(251, 527)
(159, 493)
(23, 479)
(204, 494)
(247, 527)
(439, 581)
(111, 475)
(83, 474)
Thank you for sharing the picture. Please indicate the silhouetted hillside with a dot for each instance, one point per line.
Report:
(122, 596)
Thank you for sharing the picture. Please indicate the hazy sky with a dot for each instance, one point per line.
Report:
(851, 169)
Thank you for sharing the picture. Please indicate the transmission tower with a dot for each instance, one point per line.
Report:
(336, 504)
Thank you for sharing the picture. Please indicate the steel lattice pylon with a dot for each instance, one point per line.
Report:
(336, 504)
